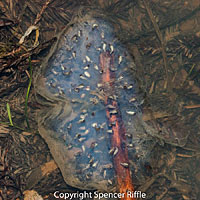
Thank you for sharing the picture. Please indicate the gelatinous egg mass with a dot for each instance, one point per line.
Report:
(91, 125)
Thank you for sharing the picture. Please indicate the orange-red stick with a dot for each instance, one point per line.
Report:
(118, 138)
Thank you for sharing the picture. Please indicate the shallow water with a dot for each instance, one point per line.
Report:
(91, 73)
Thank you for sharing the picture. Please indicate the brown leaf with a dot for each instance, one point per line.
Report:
(48, 167)
(32, 195)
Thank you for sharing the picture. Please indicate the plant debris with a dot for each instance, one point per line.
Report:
(163, 38)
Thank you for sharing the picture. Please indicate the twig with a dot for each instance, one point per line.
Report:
(39, 15)
(158, 32)
(192, 106)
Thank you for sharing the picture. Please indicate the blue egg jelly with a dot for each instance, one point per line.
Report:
(92, 124)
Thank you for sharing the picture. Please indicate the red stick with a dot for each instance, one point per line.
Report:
(118, 138)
